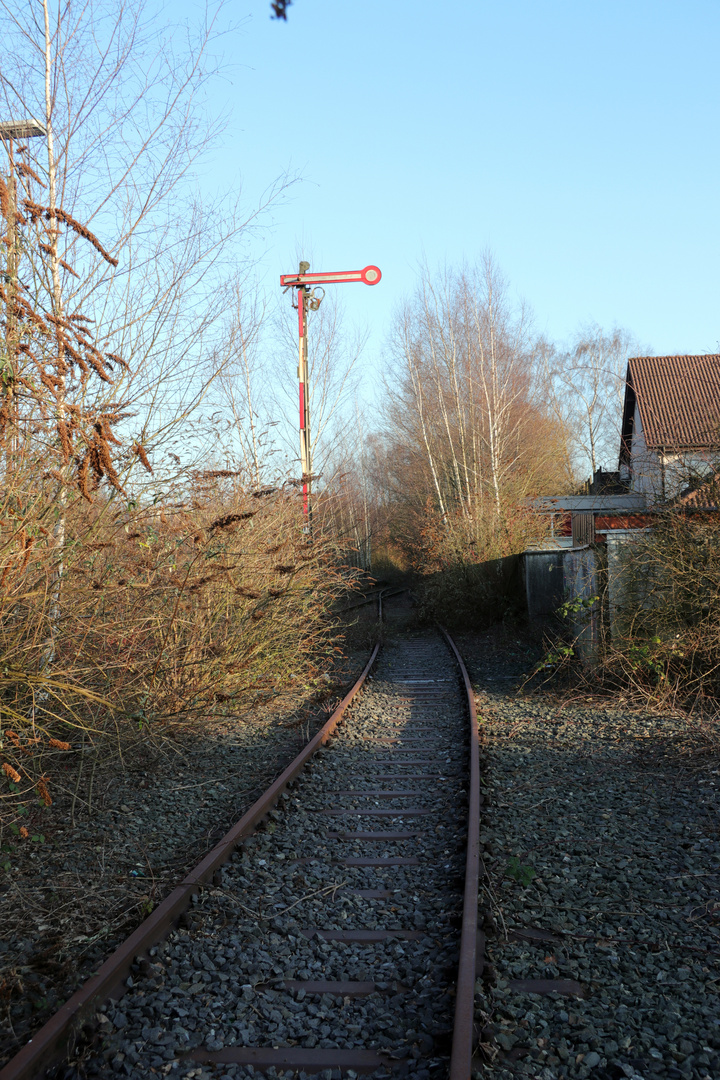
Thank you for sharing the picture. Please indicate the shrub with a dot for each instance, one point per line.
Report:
(666, 611)
(469, 568)
(167, 612)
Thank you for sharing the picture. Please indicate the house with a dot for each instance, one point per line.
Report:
(669, 454)
(670, 435)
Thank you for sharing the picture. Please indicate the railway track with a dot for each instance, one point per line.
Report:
(333, 931)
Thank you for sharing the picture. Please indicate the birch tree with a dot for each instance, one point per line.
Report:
(466, 388)
(587, 385)
(124, 101)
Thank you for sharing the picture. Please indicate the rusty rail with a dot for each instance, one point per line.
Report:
(470, 959)
(53, 1042)
(358, 603)
(386, 592)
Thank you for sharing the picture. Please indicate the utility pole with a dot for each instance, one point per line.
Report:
(306, 299)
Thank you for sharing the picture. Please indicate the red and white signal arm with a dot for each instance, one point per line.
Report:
(370, 275)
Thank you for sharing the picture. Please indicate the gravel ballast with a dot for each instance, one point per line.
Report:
(603, 864)
(66, 903)
(218, 981)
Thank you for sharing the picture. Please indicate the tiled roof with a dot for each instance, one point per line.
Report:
(678, 398)
(704, 497)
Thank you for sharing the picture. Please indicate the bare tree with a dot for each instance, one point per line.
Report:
(465, 395)
(123, 98)
(125, 125)
(586, 384)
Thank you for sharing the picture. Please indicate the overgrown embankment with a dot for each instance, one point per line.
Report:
(131, 814)
(150, 617)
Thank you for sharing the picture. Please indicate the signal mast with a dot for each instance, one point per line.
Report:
(306, 299)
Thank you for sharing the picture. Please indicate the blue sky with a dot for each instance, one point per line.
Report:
(578, 141)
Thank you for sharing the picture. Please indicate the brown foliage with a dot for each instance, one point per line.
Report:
(156, 629)
(468, 433)
(665, 641)
(58, 214)
(24, 169)
(42, 346)
(140, 451)
(43, 792)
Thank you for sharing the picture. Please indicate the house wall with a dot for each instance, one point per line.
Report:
(646, 473)
(681, 469)
(661, 476)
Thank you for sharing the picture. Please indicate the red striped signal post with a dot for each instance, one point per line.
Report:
(305, 300)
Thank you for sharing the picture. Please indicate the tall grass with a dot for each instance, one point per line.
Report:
(167, 612)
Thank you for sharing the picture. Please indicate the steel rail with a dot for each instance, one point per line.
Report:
(55, 1040)
(358, 603)
(470, 960)
(369, 599)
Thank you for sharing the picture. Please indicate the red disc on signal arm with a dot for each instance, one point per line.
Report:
(370, 275)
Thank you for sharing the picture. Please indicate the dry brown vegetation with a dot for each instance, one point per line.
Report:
(468, 436)
(165, 613)
(137, 591)
(120, 613)
(665, 644)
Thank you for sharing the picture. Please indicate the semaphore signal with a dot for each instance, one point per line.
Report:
(307, 300)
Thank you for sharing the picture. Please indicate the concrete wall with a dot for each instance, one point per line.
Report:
(544, 586)
(502, 579)
(581, 581)
(628, 589)
(552, 577)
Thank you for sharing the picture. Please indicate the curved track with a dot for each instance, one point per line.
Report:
(320, 937)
